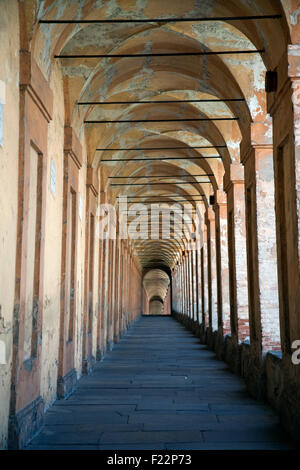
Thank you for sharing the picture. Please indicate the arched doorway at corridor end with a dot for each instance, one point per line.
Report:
(156, 283)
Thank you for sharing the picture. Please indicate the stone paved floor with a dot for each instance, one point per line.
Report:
(160, 389)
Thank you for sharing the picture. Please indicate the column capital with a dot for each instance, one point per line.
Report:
(103, 197)
(72, 146)
(234, 176)
(293, 54)
(220, 197)
(209, 215)
(204, 234)
(33, 81)
(261, 137)
(286, 72)
(92, 180)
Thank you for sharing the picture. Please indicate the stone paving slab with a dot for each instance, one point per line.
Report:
(148, 436)
(97, 428)
(227, 446)
(159, 388)
(108, 418)
(266, 434)
(148, 446)
(165, 405)
(62, 447)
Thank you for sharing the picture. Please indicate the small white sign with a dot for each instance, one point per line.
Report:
(2, 353)
(80, 206)
(1, 123)
(53, 178)
(2, 92)
(2, 103)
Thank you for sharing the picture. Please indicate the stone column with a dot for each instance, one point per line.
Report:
(261, 239)
(176, 289)
(194, 283)
(220, 209)
(67, 376)
(179, 291)
(111, 245)
(119, 287)
(284, 107)
(212, 271)
(125, 280)
(204, 279)
(190, 284)
(130, 286)
(117, 292)
(197, 284)
(88, 358)
(187, 303)
(101, 273)
(182, 286)
(103, 322)
(106, 290)
(238, 283)
(283, 101)
(179, 294)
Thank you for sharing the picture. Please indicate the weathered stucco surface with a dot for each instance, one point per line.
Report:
(9, 75)
(53, 243)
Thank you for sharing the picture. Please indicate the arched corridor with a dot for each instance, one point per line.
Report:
(150, 173)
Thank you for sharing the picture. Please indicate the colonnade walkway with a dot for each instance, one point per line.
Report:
(159, 388)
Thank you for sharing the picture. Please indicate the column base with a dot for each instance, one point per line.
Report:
(88, 365)
(100, 354)
(219, 345)
(25, 424)
(66, 384)
(232, 354)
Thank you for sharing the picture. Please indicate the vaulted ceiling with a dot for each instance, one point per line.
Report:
(225, 92)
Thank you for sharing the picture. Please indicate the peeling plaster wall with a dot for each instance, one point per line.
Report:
(9, 74)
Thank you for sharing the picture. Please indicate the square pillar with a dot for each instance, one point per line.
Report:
(212, 270)
(67, 376)
(261, 240)
(237, 254)
(88, 358)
